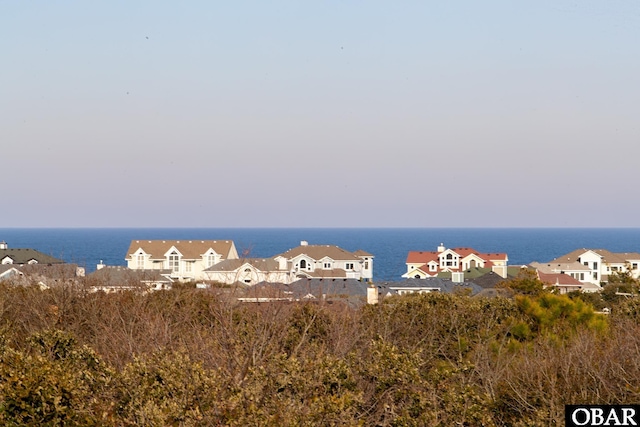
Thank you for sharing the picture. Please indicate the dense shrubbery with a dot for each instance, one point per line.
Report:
(190, 357)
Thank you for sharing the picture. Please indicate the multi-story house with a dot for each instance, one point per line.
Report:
(248, 271)
(423, 264)
(186, 259)
(303, 262)
(327, 262)
(595, 265)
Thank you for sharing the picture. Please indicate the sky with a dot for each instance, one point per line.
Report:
(320, 113)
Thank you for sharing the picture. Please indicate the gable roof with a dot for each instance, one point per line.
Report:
(317, 252)
(417, 257)
(558, 279)
(23, 256)
(55, 271)
(190, 249)
(557, 267)
(261, 264)
(421, 257)
(607, 256)
(122, 276)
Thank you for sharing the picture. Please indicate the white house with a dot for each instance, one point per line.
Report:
(186, 259)
(248, 271)
(423, 264)
(599, 263)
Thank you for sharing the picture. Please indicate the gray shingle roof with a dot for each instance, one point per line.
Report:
(23, 256)
(262, 264)
(122, 276)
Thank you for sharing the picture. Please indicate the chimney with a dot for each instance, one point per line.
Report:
(3, 245)
(441, 248)
(100, 266)
(304, 243)
(372, 294)
(500, 270)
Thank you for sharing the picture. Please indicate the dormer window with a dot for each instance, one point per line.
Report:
(174, 262)
(211, 259)
(140, 261)
(326, 266)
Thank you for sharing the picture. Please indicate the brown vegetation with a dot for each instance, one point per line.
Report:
(193, 357)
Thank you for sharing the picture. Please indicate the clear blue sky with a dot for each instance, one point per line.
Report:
(332, 113)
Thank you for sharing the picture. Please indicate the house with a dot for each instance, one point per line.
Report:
(422, 264)
(8, 272)
(117, 278)
(352, 292)
(43, 275)
(186, 259)
(428, 285)
(595, 265)
(248, 271)
(565, 283)
(21, 256)
(326, 262)
(303, 262)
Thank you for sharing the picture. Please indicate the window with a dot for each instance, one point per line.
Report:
(595, 265)
(188, 267)
(366, 265)
(140, 261)
(634, 266)
(614, 268)
(211, 260)
(348, 266)
(303, 264)
(327, 265)
(174, 262)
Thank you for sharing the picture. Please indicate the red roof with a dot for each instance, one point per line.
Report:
(420, 257)
(423, 257)
(558, 279)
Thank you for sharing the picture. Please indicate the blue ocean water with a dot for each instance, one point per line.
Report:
(87, 246)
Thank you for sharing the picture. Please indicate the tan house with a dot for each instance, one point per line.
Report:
(326, 262)
(186, 259)
(303, 262)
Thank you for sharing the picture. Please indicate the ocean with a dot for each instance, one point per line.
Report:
(88, 246)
